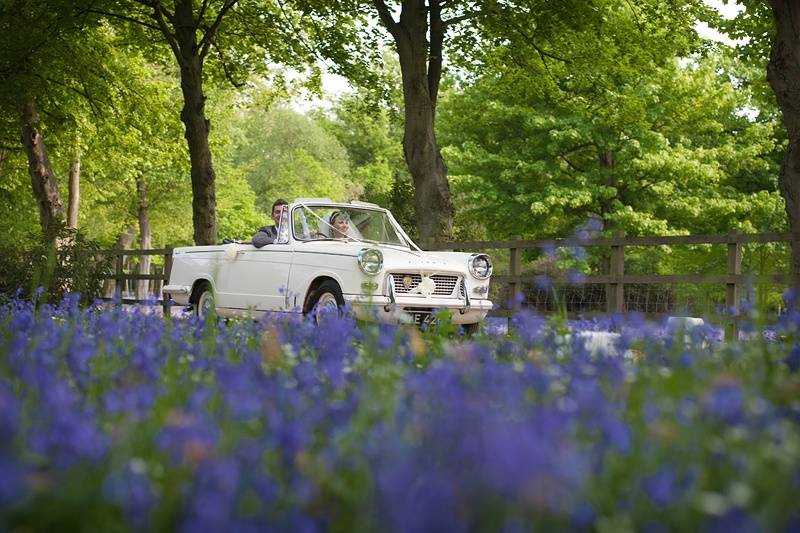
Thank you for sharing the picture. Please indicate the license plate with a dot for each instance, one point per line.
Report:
(426, 319)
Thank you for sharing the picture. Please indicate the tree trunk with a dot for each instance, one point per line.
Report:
(197, 125)
(124, 242)
(43, 181)
(420, 65)
(783, 73)
(74, 188)
(145, 241)
(609, 165)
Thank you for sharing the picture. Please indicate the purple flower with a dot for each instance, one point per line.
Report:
(134, 400)
(661, 487)
(575, 276)
(13, 487)
(725, 402)
(616, 433)
(793, 359)
(214, 495)
(131, 489)
(735, 521)
(187, 437)
(9, 415)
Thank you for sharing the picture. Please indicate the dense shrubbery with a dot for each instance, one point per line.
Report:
(115, 420)
(47, 271)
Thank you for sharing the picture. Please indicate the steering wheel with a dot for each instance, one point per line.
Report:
(318, 235)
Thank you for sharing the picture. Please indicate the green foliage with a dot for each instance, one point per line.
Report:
(284, 154)
(369, 126)
(46, 271)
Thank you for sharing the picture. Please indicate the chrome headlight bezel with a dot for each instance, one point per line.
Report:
(370, 261)
(480, 272)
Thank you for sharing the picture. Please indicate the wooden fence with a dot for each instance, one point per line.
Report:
(120, 276)
(616, 278)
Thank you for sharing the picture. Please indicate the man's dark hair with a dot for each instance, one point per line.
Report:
(279, 201)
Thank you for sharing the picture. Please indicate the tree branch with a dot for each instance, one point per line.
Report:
(228, 74)
(542, 53)
(122, 17)
(435, 50)
(205, 43)
(574, 149)
(470, 15)
(202, 13)
(299, 35)
(386, 17)
(570, 163)
(159, 13)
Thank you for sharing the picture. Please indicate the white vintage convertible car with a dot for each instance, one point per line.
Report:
(329, 254)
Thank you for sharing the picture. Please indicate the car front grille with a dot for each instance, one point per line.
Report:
(405, 283)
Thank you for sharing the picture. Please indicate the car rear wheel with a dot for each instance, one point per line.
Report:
(203, 300)
(327, 298)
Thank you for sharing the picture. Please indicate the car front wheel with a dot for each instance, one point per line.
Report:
(470, 329)
(327, 298)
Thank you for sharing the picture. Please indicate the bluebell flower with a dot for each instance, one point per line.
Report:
(725, 402)
(131, 489)
(214, 494)
(13, 486)
(735, 521)
(9, 415)
(616, 433)
(575, 276)
(661, 487)
(793, 359)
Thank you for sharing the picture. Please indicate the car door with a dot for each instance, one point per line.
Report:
(261, 276)
(255, 279)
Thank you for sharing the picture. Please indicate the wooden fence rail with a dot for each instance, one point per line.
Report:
(616, 279)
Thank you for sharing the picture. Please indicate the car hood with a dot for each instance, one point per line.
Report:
(395, 258)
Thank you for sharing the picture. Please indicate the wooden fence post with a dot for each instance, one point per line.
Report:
(733, 289)
(515, 269)
(118, 281)
(615, 291)
(166, 273)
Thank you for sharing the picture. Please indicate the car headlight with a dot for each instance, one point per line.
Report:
(480, 266)
(370, 261)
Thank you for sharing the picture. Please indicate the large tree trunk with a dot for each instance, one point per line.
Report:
(420, 65)
(74, 188)
(43, 181)
(145, 240)
(197, 125)
(783, 73)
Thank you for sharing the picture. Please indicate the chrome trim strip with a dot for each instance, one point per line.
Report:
(467, 303)
(390, 282)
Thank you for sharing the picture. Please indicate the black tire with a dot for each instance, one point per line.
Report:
(470, 329)
(203, 300)
(324, 298)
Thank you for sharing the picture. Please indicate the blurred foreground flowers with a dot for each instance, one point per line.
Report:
(112, 419)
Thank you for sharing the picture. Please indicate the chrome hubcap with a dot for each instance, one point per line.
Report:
(206, 304)
(327, 303)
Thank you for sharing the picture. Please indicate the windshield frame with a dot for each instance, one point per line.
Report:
(307, 206)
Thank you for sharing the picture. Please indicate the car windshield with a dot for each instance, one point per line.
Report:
(325, 222)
